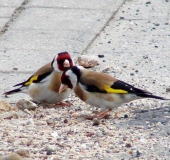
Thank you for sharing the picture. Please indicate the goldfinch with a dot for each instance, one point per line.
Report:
(43, 85)
(100, 89)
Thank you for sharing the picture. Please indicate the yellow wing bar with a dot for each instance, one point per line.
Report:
(111, 90)
(34, 78)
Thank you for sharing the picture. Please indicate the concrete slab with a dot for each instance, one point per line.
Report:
(61, 19)
(106, 5)
(8, 80)
(11, 3)
(41, 31)
(7, 8)
(3, 22)
(6, 12)
(137, 40)
(21, 60)
(52, 29)
(73, 41)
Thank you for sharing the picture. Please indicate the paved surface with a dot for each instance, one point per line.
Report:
(32, 32)
(133, 36)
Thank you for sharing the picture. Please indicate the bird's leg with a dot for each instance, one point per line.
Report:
(68, 104)
(99, 115)
(60, 104)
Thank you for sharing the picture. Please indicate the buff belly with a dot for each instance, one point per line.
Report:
(41, 92)
(109, 101)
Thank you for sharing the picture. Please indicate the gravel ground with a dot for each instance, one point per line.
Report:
(137, 130)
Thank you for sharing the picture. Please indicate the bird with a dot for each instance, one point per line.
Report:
(43, 85)
(101, 90)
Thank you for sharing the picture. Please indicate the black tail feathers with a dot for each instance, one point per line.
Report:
(19, 84)
(13, 91)
(145, 94)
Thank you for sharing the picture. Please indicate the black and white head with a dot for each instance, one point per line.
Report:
(70, 78)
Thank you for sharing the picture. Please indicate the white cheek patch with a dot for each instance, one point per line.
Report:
(72, 77)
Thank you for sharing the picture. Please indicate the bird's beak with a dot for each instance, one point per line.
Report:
(62, 87)
(66, 63)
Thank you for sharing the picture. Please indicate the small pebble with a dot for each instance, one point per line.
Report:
(96, 122)
(56, 158)
(136, 71)
(74, 115)
(122, 18)
(128, 145)
(167, 89)
(101, 56)
(137, 153)
(49, 152)
(148, 2)
(156, 24)
(50, 149)
(54, 134)
(145, 57)
(87, 61)
(107, 116)
(23, 152)
(65, 121)
(15, 68)
(25, 104)
(5, 106)
(50, 121)
(9, 115)
(14, 156)
(125, 116)
(108, 150)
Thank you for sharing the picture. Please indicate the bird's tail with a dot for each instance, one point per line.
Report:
(146, 94)
(19, 84)
(13, 91)
(17, 90)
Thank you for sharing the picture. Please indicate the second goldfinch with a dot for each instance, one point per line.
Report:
(43, 85)
(100, 89)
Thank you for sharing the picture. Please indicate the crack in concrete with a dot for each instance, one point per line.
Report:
(102, 29)
(64, 8)
(16, 72)
(15, 14)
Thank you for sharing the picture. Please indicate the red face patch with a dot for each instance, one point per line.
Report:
(61, 58)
